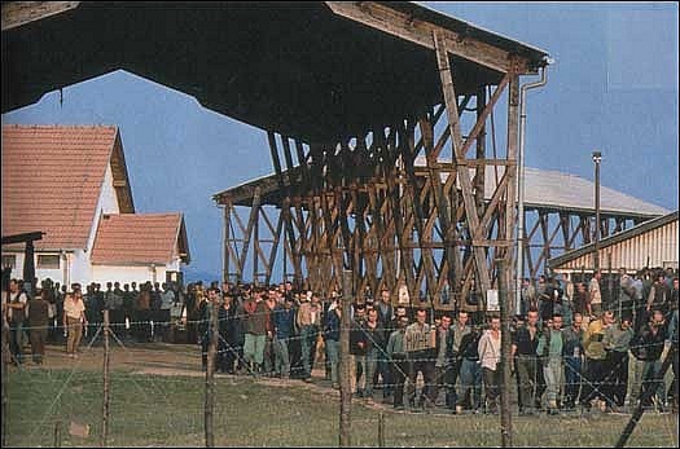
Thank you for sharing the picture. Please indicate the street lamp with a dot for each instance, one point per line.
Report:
(597, 159)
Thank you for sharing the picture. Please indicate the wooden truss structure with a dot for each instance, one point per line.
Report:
(361, 203)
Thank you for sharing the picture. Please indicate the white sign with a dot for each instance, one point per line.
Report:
(492, 303)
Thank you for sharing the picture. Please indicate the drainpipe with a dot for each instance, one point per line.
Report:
(520, 180)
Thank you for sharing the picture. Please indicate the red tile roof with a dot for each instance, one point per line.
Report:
(51, 181)
(132, 239)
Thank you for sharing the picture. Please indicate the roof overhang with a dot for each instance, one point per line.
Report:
(317, 71)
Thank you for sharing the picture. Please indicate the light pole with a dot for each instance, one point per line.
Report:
(597, 159)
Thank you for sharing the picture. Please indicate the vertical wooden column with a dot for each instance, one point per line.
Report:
(506, 350)
(345, 425)
(444, 66)
(226, 252)
(285, 206)
(209, 403)
(256, 242)
(481, 151)
(511, 193)
(106, 393)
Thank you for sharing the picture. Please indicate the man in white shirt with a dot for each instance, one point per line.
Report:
(595, 294)
(490, 355)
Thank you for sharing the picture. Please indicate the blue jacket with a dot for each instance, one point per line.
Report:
(332, 327)
(284, 320)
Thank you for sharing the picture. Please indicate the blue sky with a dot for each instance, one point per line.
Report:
(613, 87)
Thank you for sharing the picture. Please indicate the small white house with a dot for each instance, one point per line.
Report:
(71, 183)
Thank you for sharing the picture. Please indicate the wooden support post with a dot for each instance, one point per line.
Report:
(5, 373)
(285, 206)
(381, 429)
(252, 223)
(444, 66)
(345, 427)
(506, 352)
(226, 253)
(209, 403)
(57, 434)
(106, 397)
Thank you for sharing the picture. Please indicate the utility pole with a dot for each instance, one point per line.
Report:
(597, 159)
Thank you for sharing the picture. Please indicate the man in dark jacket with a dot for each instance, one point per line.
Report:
(332, 340)
(648, 346)
(470, 372)
(228, 341)
(38, 319)
(444, 363)
(283, 321)
(373, 342)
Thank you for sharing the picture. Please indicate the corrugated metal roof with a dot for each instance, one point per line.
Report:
(545, 189)
(564, 191)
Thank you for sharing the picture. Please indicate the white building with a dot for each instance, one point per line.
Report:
(71, 183)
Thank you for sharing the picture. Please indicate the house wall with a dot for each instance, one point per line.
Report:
(142, 273)
(76, 267)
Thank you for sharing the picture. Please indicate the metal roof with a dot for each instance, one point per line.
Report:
(613, 239)
(545, 189)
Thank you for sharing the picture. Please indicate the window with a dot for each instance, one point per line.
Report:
(9, 260)
(48, 261)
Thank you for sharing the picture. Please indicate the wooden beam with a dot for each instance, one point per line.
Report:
(444, 66)
(381, 17)
(16, 14)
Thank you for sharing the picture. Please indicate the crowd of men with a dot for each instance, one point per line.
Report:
(572, 345)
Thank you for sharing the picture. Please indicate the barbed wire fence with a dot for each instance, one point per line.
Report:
(124, 396)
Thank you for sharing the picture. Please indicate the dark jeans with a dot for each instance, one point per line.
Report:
(527, 373)
(421, 363)
(385, 372)
(572, 379)
(444, 378)
(16, 340)
(471, 384)
(616, 384)
(226, 357)
(596, 372)
(399, 370)
(492, 381)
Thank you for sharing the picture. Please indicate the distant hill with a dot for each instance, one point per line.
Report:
(198, 275)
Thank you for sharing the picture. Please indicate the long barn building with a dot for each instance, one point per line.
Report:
(651, 244)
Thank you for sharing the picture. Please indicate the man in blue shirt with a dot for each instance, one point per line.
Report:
(284, 319)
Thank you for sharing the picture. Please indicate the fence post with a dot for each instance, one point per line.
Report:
(5, 372)
(57, 434)
(345, 384)
(506, 349)
(105, 400)
(210, 377)
(381, 429)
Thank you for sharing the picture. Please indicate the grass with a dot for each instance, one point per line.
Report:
(151, 410)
